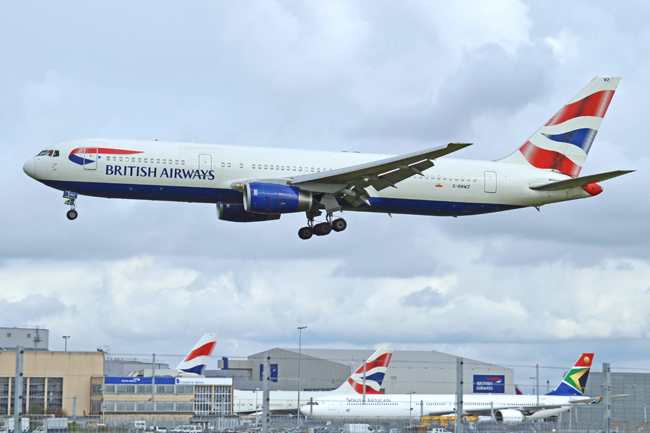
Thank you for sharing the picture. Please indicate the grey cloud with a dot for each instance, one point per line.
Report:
(425, 298)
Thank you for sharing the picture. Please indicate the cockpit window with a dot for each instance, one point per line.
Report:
(56, 153)
(50, 152)
(43, 153)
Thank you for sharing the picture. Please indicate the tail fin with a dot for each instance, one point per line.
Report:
(563, 143)
(376, 367)
(575, 380)
(196, 361)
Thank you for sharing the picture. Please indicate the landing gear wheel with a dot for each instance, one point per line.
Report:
(72, 214)
(305, 233)
(322, 229)
(338, 225)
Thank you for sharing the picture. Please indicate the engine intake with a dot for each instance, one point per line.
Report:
(269, 198)
(509, 417)
(237, 213)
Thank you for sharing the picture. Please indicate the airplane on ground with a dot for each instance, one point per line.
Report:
(504, 409)
(287, 401)
(259, 184)
(197, 360)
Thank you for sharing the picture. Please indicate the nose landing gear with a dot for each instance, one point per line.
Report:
(71, 197)
(321, 229)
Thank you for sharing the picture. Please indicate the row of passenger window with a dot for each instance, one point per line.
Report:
(445, 177)
(146, 160)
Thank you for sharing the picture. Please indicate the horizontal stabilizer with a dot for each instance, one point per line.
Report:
(579, 181)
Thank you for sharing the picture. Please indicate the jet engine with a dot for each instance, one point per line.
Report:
(270, 198)
(509, 417)
(236, 213)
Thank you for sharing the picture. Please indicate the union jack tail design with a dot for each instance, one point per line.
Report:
(576, 379)
(375, 369)
(196, 361)
(563, 143)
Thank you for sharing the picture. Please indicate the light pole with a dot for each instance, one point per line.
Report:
(300, 328)
(410, 407)
(65, 337)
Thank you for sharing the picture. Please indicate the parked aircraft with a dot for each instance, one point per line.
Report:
(287, 401)
(505, 409)
(197, 360)
(260, 184)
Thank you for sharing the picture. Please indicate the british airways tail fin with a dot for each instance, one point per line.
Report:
(575, 380)
(563, 143)
(375, 367)
(196, 361)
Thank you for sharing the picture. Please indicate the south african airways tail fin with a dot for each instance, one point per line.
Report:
(196, 361)
(575, 380)
(375, 370)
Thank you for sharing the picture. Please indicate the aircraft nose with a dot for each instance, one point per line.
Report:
(30, 168)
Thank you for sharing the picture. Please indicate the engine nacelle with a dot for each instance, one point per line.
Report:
(269, 198)
(237, 213)
(509, 417)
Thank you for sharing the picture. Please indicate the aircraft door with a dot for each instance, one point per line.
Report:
(205, 162)
(490, 181)
(90, 158)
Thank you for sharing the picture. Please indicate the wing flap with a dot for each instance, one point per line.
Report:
(579, 181)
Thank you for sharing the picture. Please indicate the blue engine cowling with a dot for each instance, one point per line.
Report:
(237, 213)
(269, 198)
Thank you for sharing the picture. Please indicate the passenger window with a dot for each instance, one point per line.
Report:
(299, 168)
(177, 162)
(182, 162)
(228, 165)
(157, 161)
(164, 161)
(462, 178)
(241, 165)
(266, 167)
(139, 159)
(277, 167)
(120, 158)
(456, 177)
(271, 167)
(223, 164)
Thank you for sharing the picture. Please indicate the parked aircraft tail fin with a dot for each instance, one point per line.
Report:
(575, 380)
(563, 143)
(196, 361)
(375, 370)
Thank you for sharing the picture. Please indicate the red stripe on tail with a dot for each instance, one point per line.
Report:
(205, 350)
(542, 158)
(594, 105)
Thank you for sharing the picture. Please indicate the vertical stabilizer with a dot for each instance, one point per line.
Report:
(563, 143)
(196, 361)
(575, 380)
(376, 367)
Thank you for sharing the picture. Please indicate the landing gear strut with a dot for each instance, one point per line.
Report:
(321, 229)
(71, 197)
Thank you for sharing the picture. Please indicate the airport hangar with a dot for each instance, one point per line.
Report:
(92, 383)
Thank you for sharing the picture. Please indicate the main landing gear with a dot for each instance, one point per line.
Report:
(321, 229)
(71, 197)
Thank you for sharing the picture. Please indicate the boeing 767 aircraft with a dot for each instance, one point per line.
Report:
(259, 184)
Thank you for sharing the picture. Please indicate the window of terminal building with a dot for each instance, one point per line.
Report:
(202, 399)
(143, 389)
(125, 389)
(222, 400)
(37, 395)
(54, 394)
(109, 389)
(96, 388)
(4, 396)
(184, 389)
(164, 389)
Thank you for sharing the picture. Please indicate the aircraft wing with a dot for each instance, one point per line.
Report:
(378, 174)
(579, 181)
(529, 410)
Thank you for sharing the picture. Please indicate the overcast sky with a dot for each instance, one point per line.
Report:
(515, 288)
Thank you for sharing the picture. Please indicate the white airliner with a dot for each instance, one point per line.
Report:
(505, 409)
(259, 184)
(287, 401)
